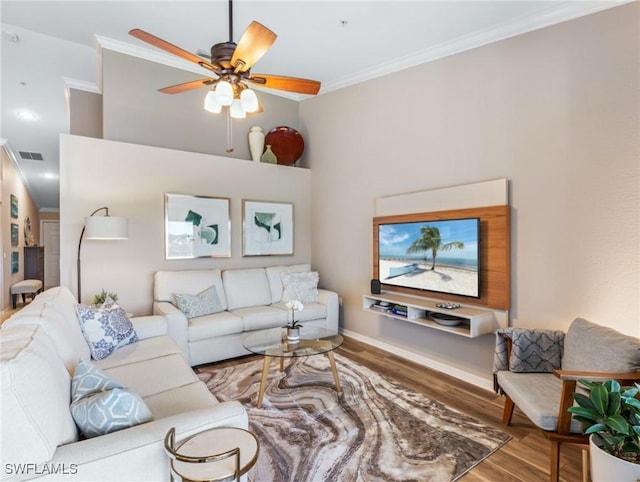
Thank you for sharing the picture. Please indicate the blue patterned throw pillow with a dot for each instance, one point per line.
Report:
(102, 405)
(105, 328)
(204, 303)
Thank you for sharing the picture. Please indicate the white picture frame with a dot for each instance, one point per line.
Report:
(197, 226)
(267, 228)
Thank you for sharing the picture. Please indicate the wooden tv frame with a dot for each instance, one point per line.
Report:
(495, 254)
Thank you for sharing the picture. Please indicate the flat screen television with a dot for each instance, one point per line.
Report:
(441, 256)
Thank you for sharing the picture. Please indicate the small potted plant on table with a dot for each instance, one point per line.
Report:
(104, 295)
(611, 415)
(293, 327)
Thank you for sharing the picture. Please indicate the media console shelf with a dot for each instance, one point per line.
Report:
(474, 321)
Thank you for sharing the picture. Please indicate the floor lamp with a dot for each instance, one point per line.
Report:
(101, 228)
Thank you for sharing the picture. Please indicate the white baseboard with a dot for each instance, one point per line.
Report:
(423, 360)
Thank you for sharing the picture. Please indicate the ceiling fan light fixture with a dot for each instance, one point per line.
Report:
(249, 100)
(224, 93)
(211, 104)
(236, 110)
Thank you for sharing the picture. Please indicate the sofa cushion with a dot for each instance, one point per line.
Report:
(155, 347)
(311, 311)
(211, 326)
(246, 287)
(300, 286)
(54, 310)
(168, 283)
(204, 303)
(105, 329)
(154, 375)
(101, 405)
(180, 400)
(274, 275)
(259, 317)
(34, 396)
(596, 348)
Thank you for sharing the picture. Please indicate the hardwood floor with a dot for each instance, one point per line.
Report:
(525, 458)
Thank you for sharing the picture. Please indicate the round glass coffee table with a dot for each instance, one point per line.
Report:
(273, 344)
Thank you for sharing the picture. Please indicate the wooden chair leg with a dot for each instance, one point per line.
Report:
(585, 463)
(554, 457)
(507, 413)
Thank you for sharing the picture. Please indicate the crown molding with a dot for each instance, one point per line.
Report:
(551, 16)
(170, 61)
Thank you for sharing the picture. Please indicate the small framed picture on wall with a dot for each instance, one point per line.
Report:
(267, 228)
(15, 229)
(15, 262)
(14, 207)
(197, 226)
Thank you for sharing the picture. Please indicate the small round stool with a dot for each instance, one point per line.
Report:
(217, 454)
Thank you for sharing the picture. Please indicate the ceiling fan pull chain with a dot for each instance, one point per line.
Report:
(229, 131)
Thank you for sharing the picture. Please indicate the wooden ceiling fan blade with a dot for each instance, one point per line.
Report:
(290, 84)
(172, 49)
(185, 86)
(253, 44)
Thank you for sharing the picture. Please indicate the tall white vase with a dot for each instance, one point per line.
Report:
(256, 142)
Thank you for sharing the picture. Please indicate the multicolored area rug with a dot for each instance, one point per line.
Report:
(377, 430)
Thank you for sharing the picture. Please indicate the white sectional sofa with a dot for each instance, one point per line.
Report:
(250, 299)
(40, 347)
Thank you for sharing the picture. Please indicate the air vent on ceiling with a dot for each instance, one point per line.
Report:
(34, 156)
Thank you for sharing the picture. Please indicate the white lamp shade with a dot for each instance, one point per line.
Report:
(236, 110)
(106, 227)
(211, 103)
(224, 93)
(249, 100)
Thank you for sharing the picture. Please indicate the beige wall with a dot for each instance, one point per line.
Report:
(12, 184)
(85, 113)
(134, 110)
(554, 111)
(131, 181)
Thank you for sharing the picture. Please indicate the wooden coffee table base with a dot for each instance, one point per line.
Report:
(267, 364)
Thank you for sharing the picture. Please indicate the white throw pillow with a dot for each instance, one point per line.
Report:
(204, 303)
(102, 405)
(105, 329)
(300, 286)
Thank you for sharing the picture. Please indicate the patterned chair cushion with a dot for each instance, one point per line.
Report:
(206, 302)
(101, 405)
(532, 350)
(105, 328)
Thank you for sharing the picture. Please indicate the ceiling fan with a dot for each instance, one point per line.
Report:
(230, 65)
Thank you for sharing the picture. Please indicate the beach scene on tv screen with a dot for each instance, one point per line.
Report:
(439, 256)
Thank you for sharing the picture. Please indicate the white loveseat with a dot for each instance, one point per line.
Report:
(40, 347)
(251, 299)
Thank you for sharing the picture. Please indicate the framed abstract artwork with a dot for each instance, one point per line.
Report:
(196, 226)
(15, 262)
(267, 228)
(14, 206)
(15, 229)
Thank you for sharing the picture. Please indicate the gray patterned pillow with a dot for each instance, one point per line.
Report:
(300, 286)
(204, 303)
(102, 405)
(536, 351)
(105, 329)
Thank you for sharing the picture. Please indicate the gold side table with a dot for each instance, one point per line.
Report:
(217, 454)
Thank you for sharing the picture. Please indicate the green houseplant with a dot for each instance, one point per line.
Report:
(100, 298)
(611, 414)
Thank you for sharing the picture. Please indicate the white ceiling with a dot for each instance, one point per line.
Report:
(339, 43)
